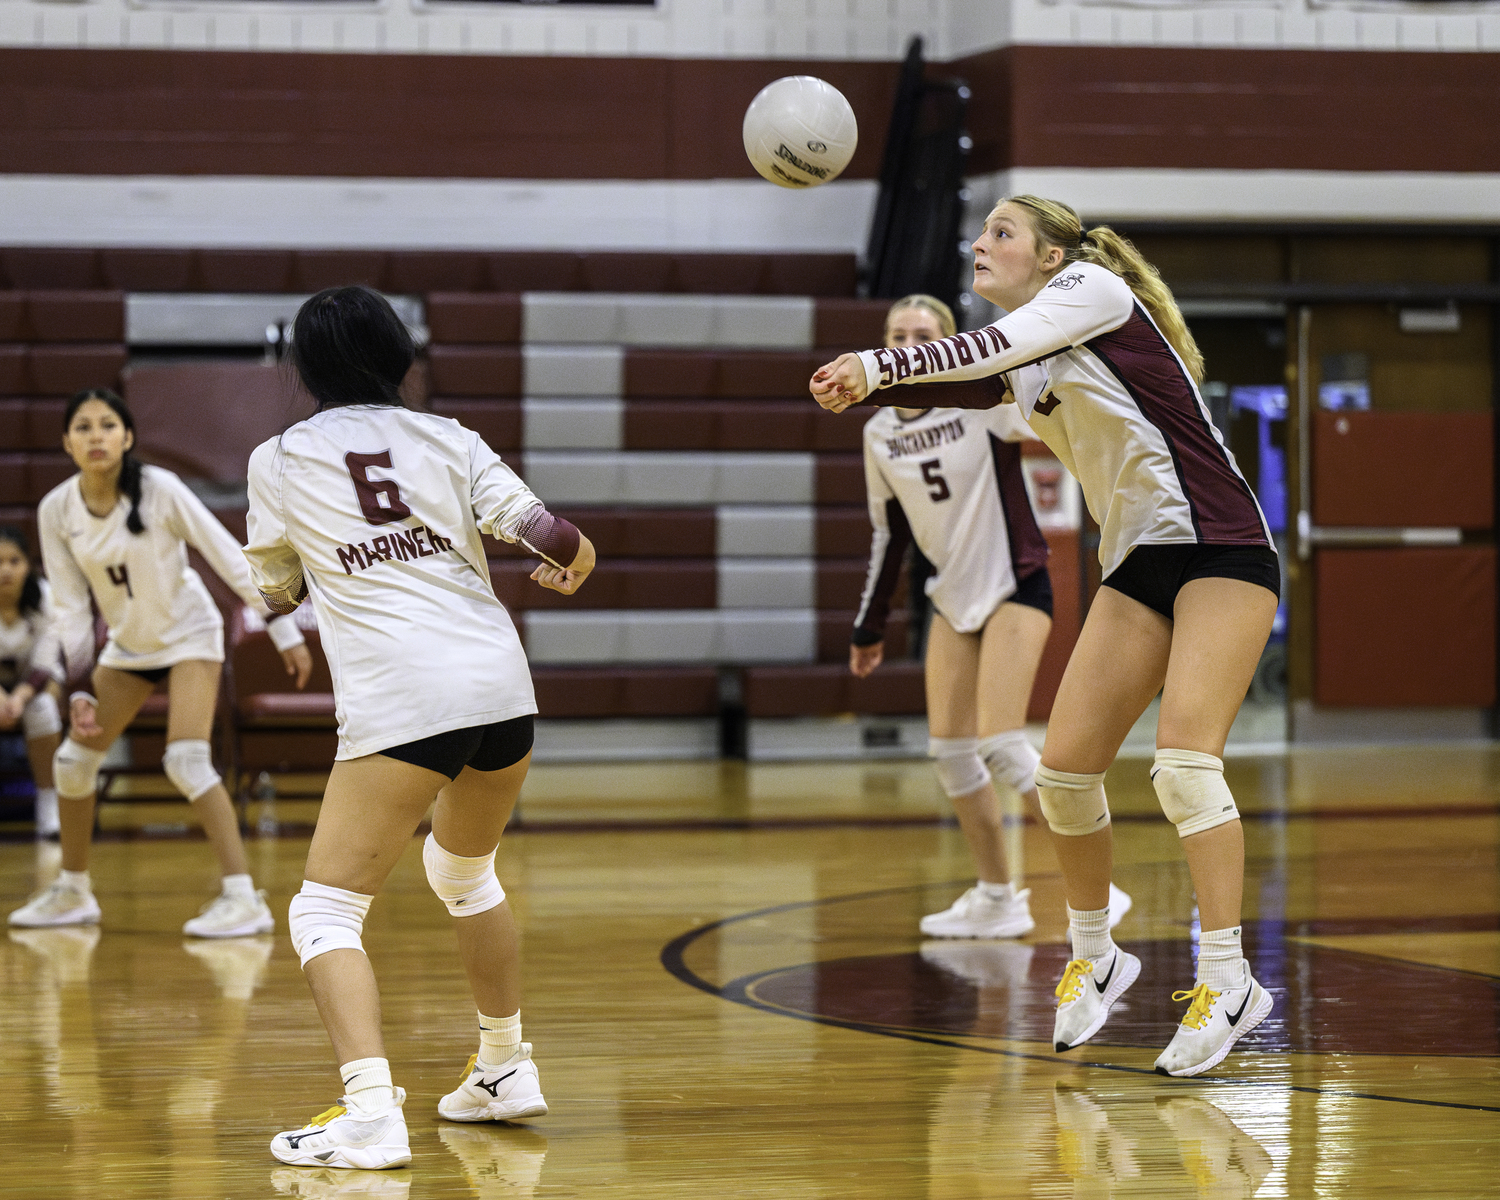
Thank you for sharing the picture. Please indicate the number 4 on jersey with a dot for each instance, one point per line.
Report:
(379, 499)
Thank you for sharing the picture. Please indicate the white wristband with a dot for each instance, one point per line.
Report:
(284, 632)
(89, 696)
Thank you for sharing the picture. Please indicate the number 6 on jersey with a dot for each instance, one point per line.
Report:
(379, 499)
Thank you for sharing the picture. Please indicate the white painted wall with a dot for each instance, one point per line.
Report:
(817, 29)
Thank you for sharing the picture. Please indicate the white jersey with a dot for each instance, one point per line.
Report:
(377, 511)
(1105, 390)
(29, 650)
(953, 477)
(157, 609)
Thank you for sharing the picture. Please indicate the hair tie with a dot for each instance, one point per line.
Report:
(1084, 238)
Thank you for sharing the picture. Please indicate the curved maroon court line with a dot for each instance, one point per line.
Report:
(1003, 990)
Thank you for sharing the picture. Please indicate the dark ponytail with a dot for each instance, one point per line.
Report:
(350, 347)
(130, 466)
(31, 590)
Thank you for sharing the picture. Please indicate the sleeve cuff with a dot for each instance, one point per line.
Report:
(872, 372)
(284, 632)
(867, 637)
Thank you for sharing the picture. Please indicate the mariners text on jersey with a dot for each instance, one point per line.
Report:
(401, 545)
(923, 440)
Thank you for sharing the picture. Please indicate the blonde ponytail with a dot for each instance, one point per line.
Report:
(1056, 224)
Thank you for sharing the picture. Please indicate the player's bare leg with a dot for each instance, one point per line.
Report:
(1010, 653)
(69, 899)
(471, 814)
(1116, 668)
(193, 693)
(979, 685)
(370, 810)
(1221, 628)
(120, 697)
(500, 1082)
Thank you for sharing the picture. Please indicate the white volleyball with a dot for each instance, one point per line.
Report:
(800, 132)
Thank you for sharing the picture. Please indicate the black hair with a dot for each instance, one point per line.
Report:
(31, 590)
(130, 466)
(350, 347)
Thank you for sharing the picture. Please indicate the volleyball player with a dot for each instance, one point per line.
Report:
(951, 481)
(118, 533)
(1097, 355)
(377, 512)
(30, 669)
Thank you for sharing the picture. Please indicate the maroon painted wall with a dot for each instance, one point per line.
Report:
(210, 112)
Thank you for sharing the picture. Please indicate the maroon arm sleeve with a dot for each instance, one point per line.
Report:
(968, 393)
(555, 539)
(869, 623)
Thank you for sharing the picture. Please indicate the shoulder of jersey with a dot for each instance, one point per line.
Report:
(880, 423)
(160, 477)
(1090, 277)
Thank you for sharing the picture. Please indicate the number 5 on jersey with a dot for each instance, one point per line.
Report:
(379, 499)
(931, 475)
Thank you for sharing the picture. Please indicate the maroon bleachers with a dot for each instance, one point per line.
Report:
(895, 689)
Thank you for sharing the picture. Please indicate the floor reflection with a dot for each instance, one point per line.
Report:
(502, 1162)
(1172, 1144)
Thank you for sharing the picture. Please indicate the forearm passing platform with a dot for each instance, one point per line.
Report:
(323, 918)
(468, 886)
(1074, 805)
(1192, 790)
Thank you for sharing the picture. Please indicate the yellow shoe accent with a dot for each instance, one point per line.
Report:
(1203, 998)
(1071, 986)
(338, 1110)
(469, 1070)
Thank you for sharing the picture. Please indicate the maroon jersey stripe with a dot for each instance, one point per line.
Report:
(1028, 548)
(869, 624)
(1222, 505)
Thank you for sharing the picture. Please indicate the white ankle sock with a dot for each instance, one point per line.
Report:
(1220, 959)
(1089, 931)
(367, 1084)
(499, 1038)
(997, 891)
(79, 881)
(239, 885)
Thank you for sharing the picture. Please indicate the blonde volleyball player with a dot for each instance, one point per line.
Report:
(1095, 352)
(951, 481)
(117, 534)
(30, 669)
(376, 512)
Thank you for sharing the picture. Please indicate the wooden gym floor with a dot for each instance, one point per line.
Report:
(729, 997)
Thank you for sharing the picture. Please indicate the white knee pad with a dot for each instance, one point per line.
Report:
(325, 918)
(1192, 790)
(1074, 805)
(189, 764)
(75, 769)
(40, 718)
(1011, 758)
(468, 886)
(960, 770)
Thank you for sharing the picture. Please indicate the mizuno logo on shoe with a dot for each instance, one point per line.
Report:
(295, 1140)
(491, 1088)
(1234, 1018)
(1101, 984)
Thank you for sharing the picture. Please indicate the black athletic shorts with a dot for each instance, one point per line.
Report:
(1154, 575)
(483, 747)
(1035, 591)
(150, 675)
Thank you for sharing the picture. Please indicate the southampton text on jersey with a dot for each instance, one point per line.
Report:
(399, 544)
(922, 440)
